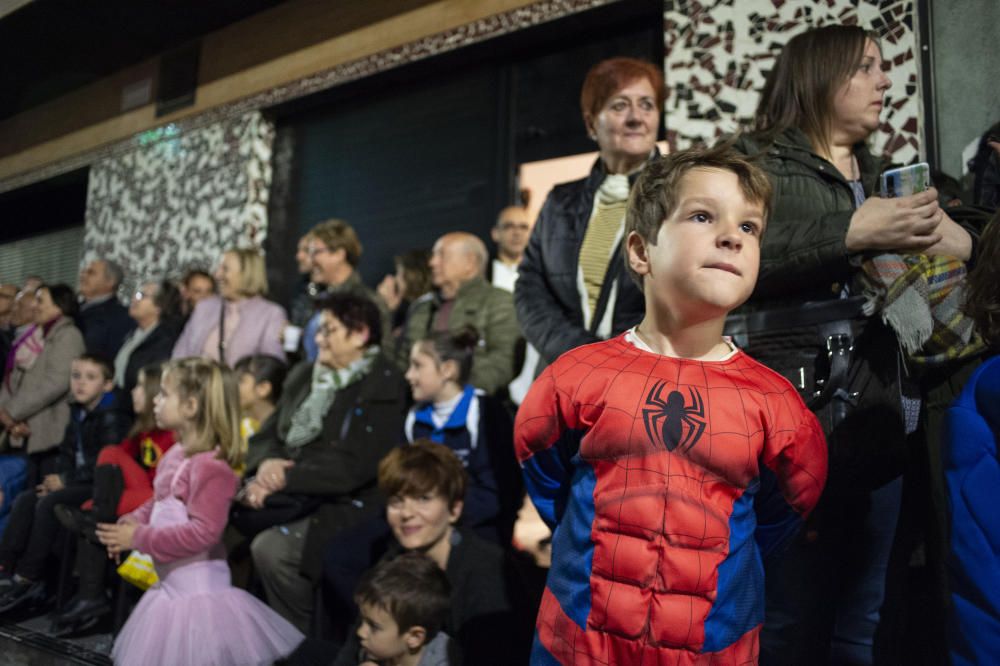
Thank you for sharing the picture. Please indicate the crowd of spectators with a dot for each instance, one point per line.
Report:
(378, 422)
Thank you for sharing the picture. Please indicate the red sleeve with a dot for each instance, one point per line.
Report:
(795, 450)
(212, 487)
(546, 434)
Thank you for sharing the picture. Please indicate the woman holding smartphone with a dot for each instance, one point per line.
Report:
(807, 319)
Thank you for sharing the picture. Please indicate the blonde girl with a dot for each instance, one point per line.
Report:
(193, 615)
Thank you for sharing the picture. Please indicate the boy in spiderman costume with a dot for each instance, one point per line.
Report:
(647, 453)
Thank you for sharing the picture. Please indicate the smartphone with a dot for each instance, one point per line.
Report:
(904, 181)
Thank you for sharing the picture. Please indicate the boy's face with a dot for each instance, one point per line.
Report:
(707, 251)
(380, 636)
(87, 383)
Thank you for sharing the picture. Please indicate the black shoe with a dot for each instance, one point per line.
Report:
(22, 592)
(80, 615)
(77, 520)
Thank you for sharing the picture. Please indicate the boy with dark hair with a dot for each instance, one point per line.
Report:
(98, 417)
(646, 452)
(404, 603)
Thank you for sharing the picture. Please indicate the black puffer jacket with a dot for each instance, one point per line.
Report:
(547, 297)
(106, 424)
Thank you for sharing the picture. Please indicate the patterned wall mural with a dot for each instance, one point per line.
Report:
(178, 199)
(718, 53)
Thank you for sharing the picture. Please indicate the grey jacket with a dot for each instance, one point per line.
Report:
(39, 395)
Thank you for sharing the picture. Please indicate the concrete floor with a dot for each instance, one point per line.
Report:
(24, 641)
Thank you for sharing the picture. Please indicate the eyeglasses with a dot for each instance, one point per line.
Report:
(139, 295)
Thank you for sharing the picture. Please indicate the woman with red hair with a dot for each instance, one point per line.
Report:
(572, 287)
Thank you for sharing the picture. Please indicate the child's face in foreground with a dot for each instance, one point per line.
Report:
(379, 634)
(707, 251)
(87, 383)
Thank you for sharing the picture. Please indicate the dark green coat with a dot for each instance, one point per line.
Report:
(803, 256)
(488, 308)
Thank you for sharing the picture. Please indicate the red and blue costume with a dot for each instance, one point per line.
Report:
(648, 467)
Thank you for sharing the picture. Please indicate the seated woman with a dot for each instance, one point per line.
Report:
(424, 486)
(34, 408)
(239, 321)
(156, 311)
(314, 461)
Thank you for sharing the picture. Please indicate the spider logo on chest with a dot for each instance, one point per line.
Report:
(672, 423)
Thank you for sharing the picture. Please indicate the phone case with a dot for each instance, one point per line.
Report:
(907, 180)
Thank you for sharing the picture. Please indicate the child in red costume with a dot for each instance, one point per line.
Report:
(652, 454)
(138, 454)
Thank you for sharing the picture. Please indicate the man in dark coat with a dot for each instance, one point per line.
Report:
(103, 321)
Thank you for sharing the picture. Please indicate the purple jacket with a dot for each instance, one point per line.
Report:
(259, 330)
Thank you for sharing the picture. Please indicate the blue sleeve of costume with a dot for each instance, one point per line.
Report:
(777, 521)
(546, 477)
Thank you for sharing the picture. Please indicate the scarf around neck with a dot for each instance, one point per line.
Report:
(307, 422)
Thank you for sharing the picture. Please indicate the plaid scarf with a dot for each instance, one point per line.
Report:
(920, 297)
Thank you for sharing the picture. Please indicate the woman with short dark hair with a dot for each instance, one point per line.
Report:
(311, 469)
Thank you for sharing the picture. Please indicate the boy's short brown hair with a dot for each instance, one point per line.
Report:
(411, 588)
(654, 195)
(336, 235)
(106, 367)
(420, 468)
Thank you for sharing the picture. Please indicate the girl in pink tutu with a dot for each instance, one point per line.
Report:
(194, 615)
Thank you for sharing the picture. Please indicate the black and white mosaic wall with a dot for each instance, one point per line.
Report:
(179, 199)
(718, 53)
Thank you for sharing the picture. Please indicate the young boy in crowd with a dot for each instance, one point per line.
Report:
(98, 417)
(645, 452)
(403, 604)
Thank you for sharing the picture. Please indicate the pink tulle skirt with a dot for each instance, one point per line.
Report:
(194, 616)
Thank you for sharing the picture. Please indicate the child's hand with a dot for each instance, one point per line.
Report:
(116, 538)
(271, 473)
(20, 429)
(52, 483)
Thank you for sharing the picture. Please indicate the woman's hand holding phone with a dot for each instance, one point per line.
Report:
(903, 224)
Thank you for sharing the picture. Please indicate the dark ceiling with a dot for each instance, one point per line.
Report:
(51, 47)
